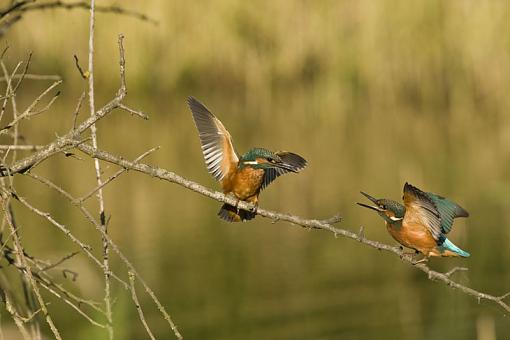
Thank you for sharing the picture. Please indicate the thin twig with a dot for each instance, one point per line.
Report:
(454, 270)
(59, 262)
(100, 197)
(115, 175)
(8, 93)
(134, 112)
(69, 139)
(115, 248)
(22, 76)
(30, 76)
(137, 304)
(29, 276)
(29, 110)
(80, 70)
(77, 109)
(85, 247)
(21, 147)
(18, 320)
(86, 6)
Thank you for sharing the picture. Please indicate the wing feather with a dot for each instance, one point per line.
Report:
(422, 210)
(448, 210)
(219, 153)
(292, 161)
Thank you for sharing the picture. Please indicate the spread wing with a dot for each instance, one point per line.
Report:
(219, 154)
(448, 211)
(422, 210)
(291, 163)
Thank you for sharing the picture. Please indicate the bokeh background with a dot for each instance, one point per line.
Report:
(371, 93)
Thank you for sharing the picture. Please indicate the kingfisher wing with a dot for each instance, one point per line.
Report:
(219, 153)
(448, 210)
(292, 163)
(421, 209)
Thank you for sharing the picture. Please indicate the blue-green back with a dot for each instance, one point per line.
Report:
(448, 210)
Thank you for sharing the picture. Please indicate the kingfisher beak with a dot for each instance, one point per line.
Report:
(374, 200)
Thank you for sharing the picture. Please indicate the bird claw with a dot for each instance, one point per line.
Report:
(254, 208)
(423, 260)
(410, 257)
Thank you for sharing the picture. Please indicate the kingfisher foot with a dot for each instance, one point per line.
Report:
(410, 255)
(423, 260)
(254, 208)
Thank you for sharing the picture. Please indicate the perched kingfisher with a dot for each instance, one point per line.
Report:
(243, 176)
(422, 222)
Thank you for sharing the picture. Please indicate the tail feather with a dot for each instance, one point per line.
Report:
(231, 214)
(449, 246)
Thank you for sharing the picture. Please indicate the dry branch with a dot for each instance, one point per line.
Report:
(12, 13)
(39, 273)
(293, 219)
(97, 167)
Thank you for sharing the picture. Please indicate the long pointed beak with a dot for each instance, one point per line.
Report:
(373, 207)
(374, 200)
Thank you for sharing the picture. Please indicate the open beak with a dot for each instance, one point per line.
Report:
(374, 200)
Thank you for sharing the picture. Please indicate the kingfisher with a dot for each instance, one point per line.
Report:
(422, 222)
(241, 176)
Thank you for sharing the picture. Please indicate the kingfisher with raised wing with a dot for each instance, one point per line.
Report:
(422, 222)
(242, 176)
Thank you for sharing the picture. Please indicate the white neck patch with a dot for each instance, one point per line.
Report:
(393, 218)
(251, 162)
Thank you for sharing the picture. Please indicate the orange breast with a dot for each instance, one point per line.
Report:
(414, 236)
(244, 184)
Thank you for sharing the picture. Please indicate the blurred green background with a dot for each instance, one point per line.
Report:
(371, 93)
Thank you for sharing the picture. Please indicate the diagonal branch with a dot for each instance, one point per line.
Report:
(293, 219)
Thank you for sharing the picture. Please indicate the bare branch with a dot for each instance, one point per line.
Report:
(454, 270)
(8, 93)
(29, 111)
(69, 139)
(28, 273)
(134, 112)
(30, 76)
(293, 219)
(137, 305)
(59, 262)
(100, 197)
(115, 248)
(115, 175)
(22, 76)
(80, 70)
(21, 147)
(333, 220)
(18, 319)
(77, 110)
(86, 6)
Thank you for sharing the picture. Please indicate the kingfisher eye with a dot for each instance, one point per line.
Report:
(270, 160)
(383, 206)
